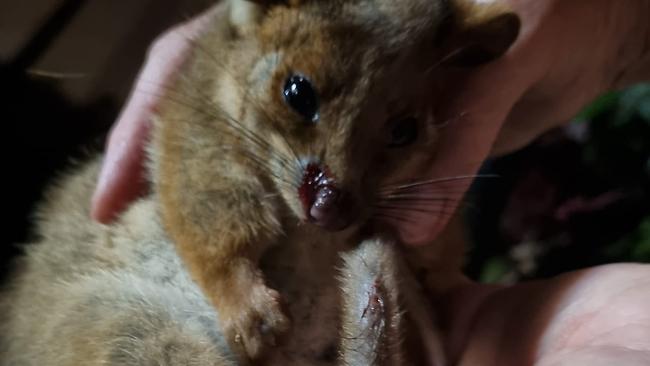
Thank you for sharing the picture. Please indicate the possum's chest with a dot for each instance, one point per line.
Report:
(304, 269)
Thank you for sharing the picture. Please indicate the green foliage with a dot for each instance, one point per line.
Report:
(619, 142)
(496, 269)
(634, 247)
(609, 156)
(620, 147)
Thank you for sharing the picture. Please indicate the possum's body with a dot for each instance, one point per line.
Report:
(89, 294)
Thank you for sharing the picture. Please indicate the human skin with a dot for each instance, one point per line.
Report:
(568, 53)
(593, 317)
(121, 179)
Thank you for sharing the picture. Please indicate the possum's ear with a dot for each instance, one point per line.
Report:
(245, 14)
(480, 31)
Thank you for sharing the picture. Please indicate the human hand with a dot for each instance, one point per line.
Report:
(568, 52)
(592, 317)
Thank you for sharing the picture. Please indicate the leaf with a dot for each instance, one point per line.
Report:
(496, 269)
(604, 103)
(633, 247)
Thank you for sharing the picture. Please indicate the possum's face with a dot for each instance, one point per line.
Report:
(327, 103)
(345, 106)
(340, 95)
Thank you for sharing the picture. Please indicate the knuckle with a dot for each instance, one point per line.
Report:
(162, 42)
(168, 39)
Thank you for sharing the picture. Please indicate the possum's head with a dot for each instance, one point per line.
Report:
(330, 100)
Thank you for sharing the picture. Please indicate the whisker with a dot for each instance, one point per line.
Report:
(394, 217)
(258, 162)
(449, 121)
(424, 193)
(220, 63)
(199, 98)
(188, 102)
(55, 74)
(237, 126)
(292, 171)
(437, 181)
(442, 60)
(428, 210)
(287, 163)
(415, 199)
(242, 88)
(408, 205)
(445, 207)
(264, 164)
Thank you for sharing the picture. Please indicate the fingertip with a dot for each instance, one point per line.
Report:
(121, 178)
(115, 190)
(98, 211)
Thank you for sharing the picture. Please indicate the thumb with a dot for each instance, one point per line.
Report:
(122, 177)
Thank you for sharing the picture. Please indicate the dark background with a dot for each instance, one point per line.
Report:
(577, 197)
(66, 67)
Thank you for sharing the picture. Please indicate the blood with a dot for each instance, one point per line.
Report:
(375, 307)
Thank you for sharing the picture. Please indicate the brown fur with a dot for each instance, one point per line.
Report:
(226, 159)
(224, 214)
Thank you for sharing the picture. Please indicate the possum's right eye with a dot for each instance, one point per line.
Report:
(404, 132)
(301, 97)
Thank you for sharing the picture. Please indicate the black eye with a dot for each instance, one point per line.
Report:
(404, 132)
(301, 96)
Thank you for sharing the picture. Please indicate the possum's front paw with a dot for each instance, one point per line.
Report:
(255, 322)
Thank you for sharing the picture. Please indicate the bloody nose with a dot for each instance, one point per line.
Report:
(325, 204)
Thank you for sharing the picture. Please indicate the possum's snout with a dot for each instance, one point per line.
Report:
(324, 202)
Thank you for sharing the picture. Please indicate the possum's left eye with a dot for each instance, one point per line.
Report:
(301, 97)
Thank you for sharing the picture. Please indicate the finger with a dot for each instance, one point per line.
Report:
(476, 111)
(122, 177)
(476, 103)
(458, 311)
(498, 325)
